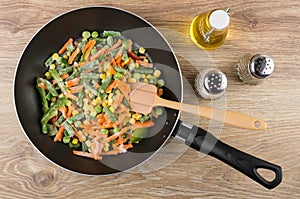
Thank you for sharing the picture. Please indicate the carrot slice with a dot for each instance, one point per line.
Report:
(70, 96)
(100, 52)
(113, 85)
(88, 51)
(73, 82)
(145, 64)
(59, 134)
(73, 55)
(64, 76)
(63, 111)
(64, 47)
(42, 85)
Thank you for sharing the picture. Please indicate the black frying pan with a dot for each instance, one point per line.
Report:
(71, 24)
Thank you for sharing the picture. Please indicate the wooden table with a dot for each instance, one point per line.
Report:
(269, 27)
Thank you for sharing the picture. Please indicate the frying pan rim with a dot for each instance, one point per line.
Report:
(119, 10)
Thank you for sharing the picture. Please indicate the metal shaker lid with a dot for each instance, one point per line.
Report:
(261, 66)
(215, 82)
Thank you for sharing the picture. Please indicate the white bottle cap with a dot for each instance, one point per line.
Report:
(219, 19)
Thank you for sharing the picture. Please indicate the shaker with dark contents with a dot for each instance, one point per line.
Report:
(253, 70)
(211, 83)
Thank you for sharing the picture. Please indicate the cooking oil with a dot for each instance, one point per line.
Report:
(209, 30)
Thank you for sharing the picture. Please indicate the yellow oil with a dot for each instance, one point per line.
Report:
(200, 26)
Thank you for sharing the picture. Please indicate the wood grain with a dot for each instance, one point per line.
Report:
(257, 26)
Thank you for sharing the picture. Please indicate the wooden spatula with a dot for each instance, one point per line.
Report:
(143, 97)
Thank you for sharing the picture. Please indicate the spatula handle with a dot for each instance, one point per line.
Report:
(228, 117)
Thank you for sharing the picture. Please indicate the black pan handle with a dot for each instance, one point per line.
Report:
(205, 142)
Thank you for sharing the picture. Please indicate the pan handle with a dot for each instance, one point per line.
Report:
(205, 142)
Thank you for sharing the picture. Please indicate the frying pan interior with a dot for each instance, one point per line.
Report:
(48, 40)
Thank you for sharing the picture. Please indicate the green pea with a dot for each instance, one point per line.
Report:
(95, 34)
(86, 34)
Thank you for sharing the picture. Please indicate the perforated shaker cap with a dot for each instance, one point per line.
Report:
(261, 66)
(219, 19)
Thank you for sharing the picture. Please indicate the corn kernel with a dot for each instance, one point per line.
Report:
(95, 102)
(110, 96)
(65, 56)
(149, 76)
(143, 76)
(157, 73)
(132, 121)
(136, 65)
(53, 99)
(108, 73)
(145, 80)
(109, 102)
(52, 66)
(146, 60)
(139, 116)
(61, 95)
(55, 56)
(142, 50)
(131, 80)
(102, 76)
(104, 103)
(68, 53)
(47, 74)
(117, 92)
(136, 116)
(112, 109)
(75, 141)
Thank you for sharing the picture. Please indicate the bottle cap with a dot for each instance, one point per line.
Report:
(219, 19)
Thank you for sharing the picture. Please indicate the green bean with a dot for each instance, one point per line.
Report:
(80, 98)
(111, 33)
(111, 116)
(43, 96)
(52, 130)
(120, 70)
(75, 118)
(89, 76)
(100, 40)
(69, 128)
(58, 79)
(118, 76)
(88, 87)
(143, 70)
(110, 41)
(89, 65)
(49, 61)
(44, 128)
(50, 87)
(73, 75)
(105, 83)
(71, 47)
(53, 110)
(59, 120)
(84, 147)
(138, 135)
(125, 102)
(144, 118)
(65, 70)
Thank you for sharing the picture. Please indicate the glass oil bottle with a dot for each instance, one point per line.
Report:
(209, 30)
